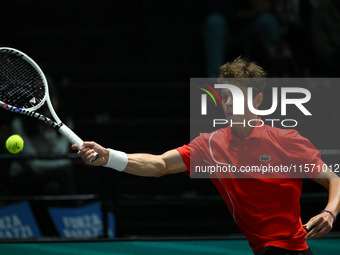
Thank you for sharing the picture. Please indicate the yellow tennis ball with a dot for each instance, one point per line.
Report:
(14, 144)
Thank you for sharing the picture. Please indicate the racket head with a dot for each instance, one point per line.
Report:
(23, 85)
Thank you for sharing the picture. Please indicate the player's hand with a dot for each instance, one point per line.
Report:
(319, 225)
(87, 150)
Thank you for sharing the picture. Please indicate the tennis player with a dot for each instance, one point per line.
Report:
(267, 210)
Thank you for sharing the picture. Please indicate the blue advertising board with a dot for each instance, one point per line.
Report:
(17, 221)
(84, 221)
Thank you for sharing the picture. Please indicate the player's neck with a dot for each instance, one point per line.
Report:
(241, 132)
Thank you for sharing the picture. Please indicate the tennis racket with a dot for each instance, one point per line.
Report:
(24, 89)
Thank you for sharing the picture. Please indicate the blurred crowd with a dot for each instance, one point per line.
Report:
(289, 38)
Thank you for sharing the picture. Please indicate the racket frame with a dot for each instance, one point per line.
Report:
(57, 124)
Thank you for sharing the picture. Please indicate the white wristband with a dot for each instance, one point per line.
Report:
(117, 160)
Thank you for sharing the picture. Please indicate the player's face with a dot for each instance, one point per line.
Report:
(227, 102)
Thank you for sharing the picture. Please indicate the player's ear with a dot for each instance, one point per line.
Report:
(258, 100)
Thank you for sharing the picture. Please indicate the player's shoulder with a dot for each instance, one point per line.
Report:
(280, 133)
(206, 138)
(217, 133)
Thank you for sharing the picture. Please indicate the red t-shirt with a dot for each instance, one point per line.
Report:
(267, 210)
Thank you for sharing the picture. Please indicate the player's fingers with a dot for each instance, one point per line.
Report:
(89, 155)
(313, 232)
(89, 145)
(74, 147)
(320, 233)
(88, 151)
(311, 223)
(319, 230)
(82, 152)
(84, 145)
(85, 153)
(323, 231)
(322, 224)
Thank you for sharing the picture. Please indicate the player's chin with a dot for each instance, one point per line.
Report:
(233, 118)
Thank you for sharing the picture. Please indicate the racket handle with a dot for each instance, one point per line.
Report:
(70, 135)
(74, 139)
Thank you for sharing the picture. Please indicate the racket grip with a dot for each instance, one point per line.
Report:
(74, 139)
(70, 135)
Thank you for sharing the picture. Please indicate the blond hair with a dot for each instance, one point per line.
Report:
(243, 70)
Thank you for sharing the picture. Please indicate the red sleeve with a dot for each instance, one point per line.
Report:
(192, 154)
(185, 153)
(302, 152)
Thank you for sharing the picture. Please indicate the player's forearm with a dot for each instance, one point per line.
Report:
(145, 165)
(170, 162)
(333, 195)
(331, 181)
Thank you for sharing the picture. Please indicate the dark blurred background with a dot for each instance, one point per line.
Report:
(121, 70)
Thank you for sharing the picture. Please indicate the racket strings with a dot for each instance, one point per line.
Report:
(21, 85)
